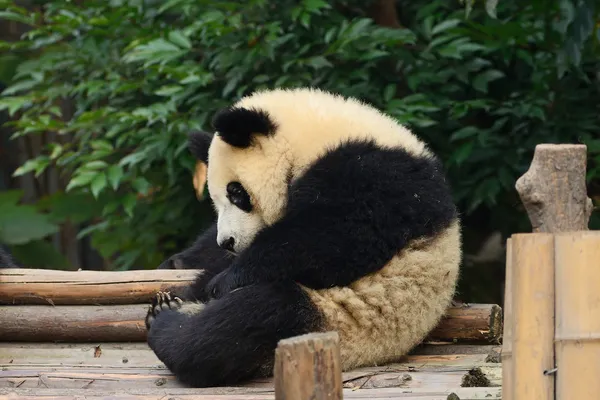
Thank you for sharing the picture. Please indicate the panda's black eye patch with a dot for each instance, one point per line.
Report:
(238, 196)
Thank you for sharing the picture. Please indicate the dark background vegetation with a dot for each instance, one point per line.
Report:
(98, 97)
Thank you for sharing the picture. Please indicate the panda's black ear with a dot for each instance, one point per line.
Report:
(198, 144)
(237, 125)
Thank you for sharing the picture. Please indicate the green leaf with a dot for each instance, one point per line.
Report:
(82, 179)
(141, 185)
(463, 133)
(445, 25)
(463, 152)
(101, 145)
(28, 166)
(319, 62)
(57, 150)
(20, 86)
(21, 224)
(114, 173)
(168, 90)
(98, 164)
(12, 16)
(14, 104)
(98, 184)
(490, 7)
(481, 81)
(389, 92)
(180, 40)
(129, 203)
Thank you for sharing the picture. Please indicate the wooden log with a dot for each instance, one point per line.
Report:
(470, 322)
(108, 323)
(41, 286)
(553, 190)
(533, 315)
(308, 367)
(73, 323)
(507, 336)
(577, 335)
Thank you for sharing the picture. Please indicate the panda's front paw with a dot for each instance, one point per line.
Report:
(160, 302)
(223, 283)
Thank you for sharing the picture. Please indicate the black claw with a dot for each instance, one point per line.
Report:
(161, 301)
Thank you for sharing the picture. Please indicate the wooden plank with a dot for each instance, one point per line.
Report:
(577, 331)
(87, 367)
(240, 394)
(41, 286)
(100, 355)
(533, 313)
(139, 355)
(507, 339)
(85, 323)
(431, 378)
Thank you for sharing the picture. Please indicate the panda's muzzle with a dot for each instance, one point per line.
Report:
(228, 244)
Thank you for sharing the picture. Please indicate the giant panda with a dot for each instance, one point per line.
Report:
(336, 218)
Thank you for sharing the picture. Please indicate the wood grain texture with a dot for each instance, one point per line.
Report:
(40, 286)
(507, 337)
(553, 190)
(577, 335)
(108, 323)
(73, 323)
(132, 367)
(470, 322)
(118, 355)
(533, 315)
(241, 394)
(308, 367)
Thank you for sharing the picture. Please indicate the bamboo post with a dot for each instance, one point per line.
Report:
(533, 316)
(507, 361)
(577, 315)
(308, 367)
(553, 190)
(554, 194)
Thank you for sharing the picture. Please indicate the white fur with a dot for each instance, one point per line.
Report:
(240, 225)
(381, 316)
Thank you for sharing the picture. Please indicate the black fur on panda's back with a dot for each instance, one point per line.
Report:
(6, 260)
(348, 215)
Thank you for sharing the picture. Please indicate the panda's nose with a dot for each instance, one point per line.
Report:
(227, 244)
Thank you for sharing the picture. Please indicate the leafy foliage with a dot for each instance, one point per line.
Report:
(482, 85)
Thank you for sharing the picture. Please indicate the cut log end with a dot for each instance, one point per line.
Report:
(308, 367)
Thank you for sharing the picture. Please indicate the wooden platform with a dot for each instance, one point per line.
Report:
(81, 335)
(131, 370)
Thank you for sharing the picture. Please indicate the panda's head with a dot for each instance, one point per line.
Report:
(268, 139)
(247, 174)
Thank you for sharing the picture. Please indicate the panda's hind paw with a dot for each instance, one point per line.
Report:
(160, 302)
